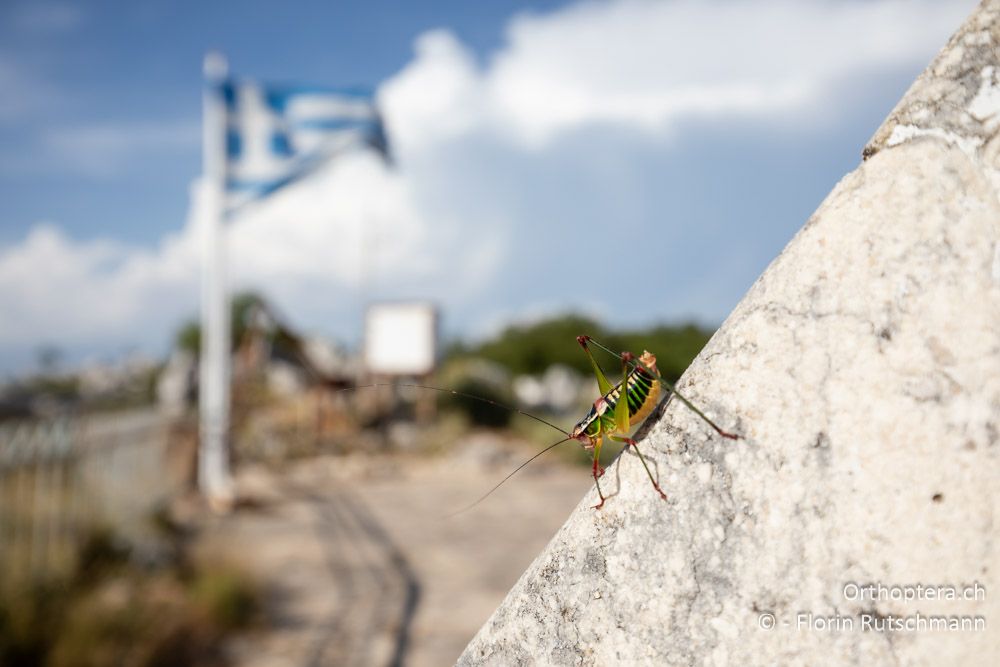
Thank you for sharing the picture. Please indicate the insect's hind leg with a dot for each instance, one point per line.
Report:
(598, 472)
(669, 387)
(629, 442)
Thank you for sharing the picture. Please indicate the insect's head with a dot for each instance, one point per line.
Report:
(584, 429)
(649, 361)
(579, 434)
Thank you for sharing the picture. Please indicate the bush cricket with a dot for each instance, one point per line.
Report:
(618, 409)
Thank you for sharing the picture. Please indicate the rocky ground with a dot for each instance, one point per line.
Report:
(360, 565)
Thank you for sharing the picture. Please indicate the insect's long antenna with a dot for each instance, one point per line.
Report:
(511, 474)
(481, 399)
(673, 389)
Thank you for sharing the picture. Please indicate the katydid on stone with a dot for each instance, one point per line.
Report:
(619, 408)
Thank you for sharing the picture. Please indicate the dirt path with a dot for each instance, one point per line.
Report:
(361, 568)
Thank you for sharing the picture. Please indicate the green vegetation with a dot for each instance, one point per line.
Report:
(486, 369)
(188, 337)
(57, 387)
(113, 611)
(533, 348)
(224, 597)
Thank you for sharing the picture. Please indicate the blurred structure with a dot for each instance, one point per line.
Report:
(257, 139)
(556, 390)
(289, 361)
(400, 339)
(97, 386)
(176, 386)
(62, 478)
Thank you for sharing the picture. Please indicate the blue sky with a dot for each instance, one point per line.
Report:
(87, 66)
(542, 150)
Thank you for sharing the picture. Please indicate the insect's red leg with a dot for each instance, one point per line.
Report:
(597, 475)
(600, 405)
(629, 442)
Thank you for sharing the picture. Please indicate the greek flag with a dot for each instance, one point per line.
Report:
(277, 134)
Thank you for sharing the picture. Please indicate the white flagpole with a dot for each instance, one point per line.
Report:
(214, 479)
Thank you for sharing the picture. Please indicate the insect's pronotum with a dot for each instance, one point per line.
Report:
(609, 416)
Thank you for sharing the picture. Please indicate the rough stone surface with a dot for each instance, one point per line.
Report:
(957, 98)
(863, 370)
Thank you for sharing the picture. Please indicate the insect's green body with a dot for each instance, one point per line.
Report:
(642, 393)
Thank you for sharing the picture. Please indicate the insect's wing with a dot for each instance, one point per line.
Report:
(621, 407)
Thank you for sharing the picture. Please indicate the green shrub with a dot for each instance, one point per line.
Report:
(227, 597)
(533, 348)
(113, 613)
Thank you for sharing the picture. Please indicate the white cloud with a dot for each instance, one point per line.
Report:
(356, 219)
(651, 64)
(54, 288)
(465, 218)
(308, 244)
(437, 96)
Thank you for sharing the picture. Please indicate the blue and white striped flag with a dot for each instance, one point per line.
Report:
(277, 134)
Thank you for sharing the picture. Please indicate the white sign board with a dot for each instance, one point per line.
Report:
(400, 338)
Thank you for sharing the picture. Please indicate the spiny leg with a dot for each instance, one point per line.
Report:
(629, 442)
(598, 471)
(670, 386)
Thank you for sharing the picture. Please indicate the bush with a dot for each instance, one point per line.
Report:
(113, 613)
(532, 349)
(227, 598)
